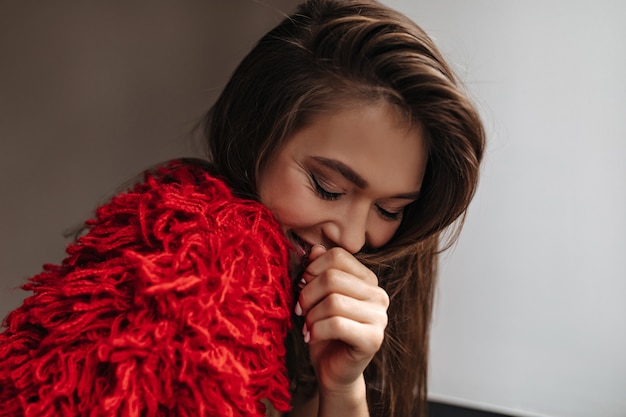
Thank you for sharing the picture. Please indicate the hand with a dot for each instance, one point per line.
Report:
(345, 318)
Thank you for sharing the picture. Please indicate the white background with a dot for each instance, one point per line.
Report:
(531, 309)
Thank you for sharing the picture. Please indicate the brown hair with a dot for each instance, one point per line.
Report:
(334, 51)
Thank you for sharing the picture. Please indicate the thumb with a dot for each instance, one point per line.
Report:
(316, 251)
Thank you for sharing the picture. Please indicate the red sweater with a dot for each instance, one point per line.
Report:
(175, 303)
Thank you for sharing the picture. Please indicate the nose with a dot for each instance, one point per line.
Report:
(348, 230)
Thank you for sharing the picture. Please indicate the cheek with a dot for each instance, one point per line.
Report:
(289, 199)
(381, 232)
(296, 210)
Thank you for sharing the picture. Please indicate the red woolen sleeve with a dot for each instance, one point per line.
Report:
(175, 303)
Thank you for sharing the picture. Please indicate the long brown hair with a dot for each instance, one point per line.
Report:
(332, 52)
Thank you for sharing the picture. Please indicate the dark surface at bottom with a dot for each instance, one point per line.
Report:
(436, 409)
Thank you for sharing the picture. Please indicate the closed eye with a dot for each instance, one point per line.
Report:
(389, 215)
(323, 192)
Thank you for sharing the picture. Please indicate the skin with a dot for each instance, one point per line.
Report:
(338, 185)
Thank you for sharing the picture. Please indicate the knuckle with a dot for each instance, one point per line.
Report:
(336, 325)
(337, 304)
(328, 278)
(337, 254)
(370, 276)
(380, 338)
(334, 301)
(383, 319)
(374, 343)
(384, 298)
(381, 297)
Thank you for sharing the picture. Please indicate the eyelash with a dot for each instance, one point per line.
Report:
(328, 195)
(387, 215)
(322, 192)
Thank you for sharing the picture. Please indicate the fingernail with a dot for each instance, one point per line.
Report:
(298, 309)
(315, 252)
(306, 333)
(318, 245)
(302, 283)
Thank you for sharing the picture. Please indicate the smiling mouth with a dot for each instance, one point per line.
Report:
(298, 256)
(301, 247)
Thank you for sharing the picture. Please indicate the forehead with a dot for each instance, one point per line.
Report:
(376, 141)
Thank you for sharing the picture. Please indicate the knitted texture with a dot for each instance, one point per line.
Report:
(175, 303)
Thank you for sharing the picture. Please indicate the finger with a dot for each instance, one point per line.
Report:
(315, 252)
(349, 308)
(364, 339)
(341, 259)
(334, 281)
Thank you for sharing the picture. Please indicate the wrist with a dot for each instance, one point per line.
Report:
(342, 399)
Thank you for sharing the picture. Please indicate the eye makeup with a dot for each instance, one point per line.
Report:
(322, 189)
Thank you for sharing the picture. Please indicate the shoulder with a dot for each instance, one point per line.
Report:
(188, 192)
(181, 216)
(183, 196)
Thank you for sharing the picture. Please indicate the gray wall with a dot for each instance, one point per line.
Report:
(92, 93)
(531, 311)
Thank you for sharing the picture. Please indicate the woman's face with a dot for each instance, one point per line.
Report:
(345, 178)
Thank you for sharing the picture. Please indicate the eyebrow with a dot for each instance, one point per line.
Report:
(349, 174)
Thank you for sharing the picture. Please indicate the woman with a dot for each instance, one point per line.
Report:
(347, 125)
(328, 77)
